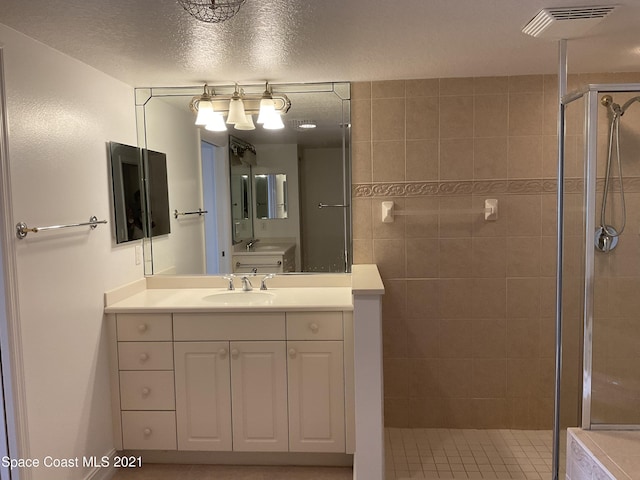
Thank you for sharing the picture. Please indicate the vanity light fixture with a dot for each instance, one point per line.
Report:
(211, 11)
(236, 109)
(239, 107)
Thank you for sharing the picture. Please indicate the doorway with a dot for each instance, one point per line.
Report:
(215, 194)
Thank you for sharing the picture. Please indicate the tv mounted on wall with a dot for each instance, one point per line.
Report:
(140, 192)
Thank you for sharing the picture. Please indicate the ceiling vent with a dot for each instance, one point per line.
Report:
(566, 22)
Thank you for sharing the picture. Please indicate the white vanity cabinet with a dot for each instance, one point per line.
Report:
(203, 396)
(235, 381)
(316, 381)
(145, 381)
(259, 396)
(265, 258)
(245, 407)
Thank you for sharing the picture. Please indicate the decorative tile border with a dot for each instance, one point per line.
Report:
(482, 187)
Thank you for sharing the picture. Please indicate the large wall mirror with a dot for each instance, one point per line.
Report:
(240, 195)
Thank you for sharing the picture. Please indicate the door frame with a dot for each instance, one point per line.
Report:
(12, 365)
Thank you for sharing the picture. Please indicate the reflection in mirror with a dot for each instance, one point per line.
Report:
(241, 156)
(155, 173)
(126, 173)
(271, 195)
(266, 202)
(241, 203)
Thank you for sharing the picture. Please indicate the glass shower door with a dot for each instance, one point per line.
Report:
(615, 319)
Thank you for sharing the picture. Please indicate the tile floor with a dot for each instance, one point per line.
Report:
(467, 454)
(410, 454)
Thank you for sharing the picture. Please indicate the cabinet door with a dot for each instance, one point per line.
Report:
(203, 396)
(316, 396)
(259, 398)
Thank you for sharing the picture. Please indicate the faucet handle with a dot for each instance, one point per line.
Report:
(230, 278)
(263, 284)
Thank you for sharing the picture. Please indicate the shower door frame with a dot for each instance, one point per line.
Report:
(591, 93)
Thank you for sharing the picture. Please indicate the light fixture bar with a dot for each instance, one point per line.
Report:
(251, 105)
(239, 107)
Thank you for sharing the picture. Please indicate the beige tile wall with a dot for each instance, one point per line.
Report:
(468, 314)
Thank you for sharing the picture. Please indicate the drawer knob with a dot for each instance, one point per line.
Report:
(142, 327)
(292, 352)
(147, 432)
(314, 327)
(146, 391)
(234, 353)
(144, 357)
(222, 352)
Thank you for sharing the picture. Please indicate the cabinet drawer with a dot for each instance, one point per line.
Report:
(314, 326)
(149, 430)
(261, 263)
(147, 390)
(229, 326)
(145, 355)
(144, 327)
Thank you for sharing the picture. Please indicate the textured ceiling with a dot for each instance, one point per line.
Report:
(155, 42)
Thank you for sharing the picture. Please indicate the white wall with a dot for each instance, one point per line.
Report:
(61, 114)
(170, 130)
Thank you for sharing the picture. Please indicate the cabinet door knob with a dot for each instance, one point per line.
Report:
(144, 357)
(146, 391)
(142, 327)
(222, 352)
(234, 353)
(147, 432)
(314, 327)
(292, 352)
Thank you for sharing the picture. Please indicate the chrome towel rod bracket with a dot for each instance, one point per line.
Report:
(22, 229)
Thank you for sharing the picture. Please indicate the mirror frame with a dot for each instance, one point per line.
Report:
(341, 89)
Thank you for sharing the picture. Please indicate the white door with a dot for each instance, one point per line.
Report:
(259, 396)
(316, 396)
(203, 396)
(217, 203)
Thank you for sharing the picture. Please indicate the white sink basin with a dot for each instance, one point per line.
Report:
(241, 297)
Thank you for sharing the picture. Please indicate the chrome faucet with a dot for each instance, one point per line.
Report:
(263, 284)
(246, 284)
(230, 278)
(251, 243)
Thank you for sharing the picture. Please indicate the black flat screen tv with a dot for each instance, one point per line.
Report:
(140, 192)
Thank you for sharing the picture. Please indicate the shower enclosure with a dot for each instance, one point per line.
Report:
(611, 390)
(600, 270)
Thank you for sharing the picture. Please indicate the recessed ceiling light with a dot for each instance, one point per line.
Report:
(303, 124)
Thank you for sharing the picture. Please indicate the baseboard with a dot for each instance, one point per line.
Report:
(242, 458)
(102, 473)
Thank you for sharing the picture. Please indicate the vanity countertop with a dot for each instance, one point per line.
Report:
(161, 300)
